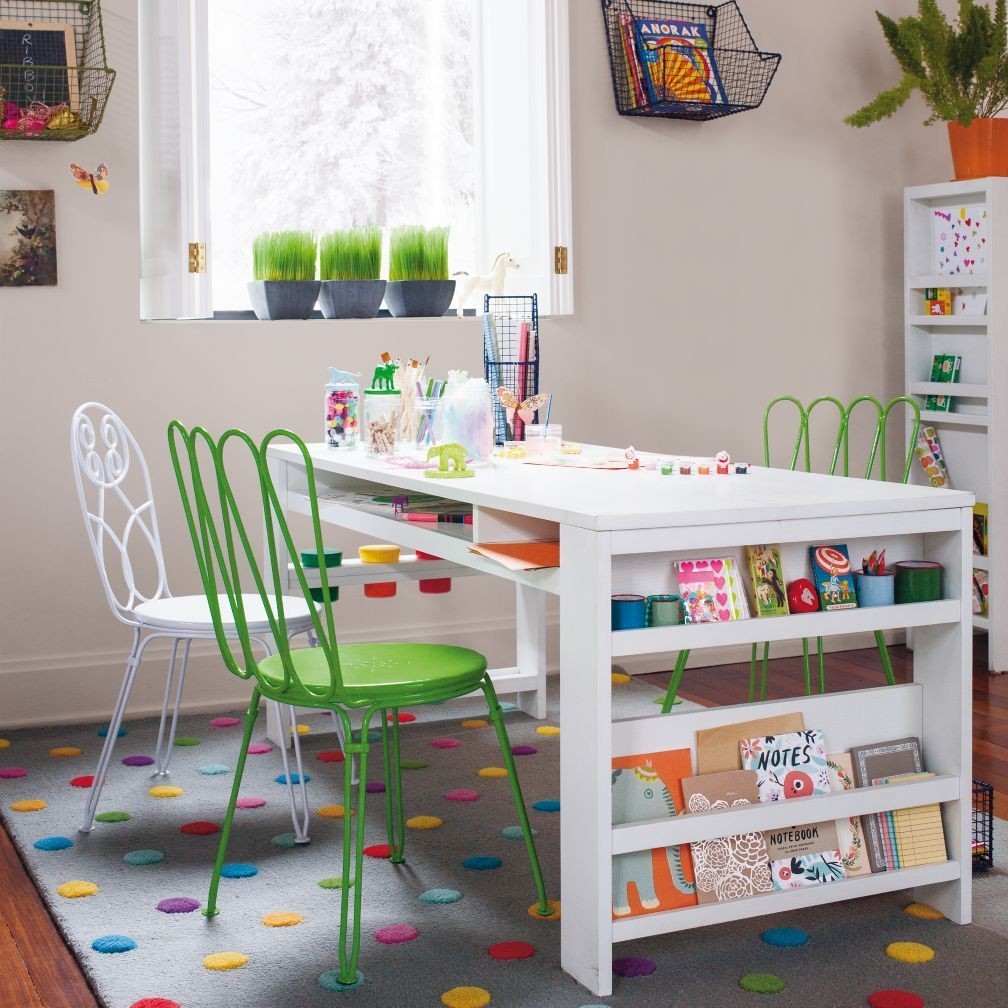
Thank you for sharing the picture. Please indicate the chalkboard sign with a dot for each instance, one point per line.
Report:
(38, 63)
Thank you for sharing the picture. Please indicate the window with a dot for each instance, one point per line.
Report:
(257, 116)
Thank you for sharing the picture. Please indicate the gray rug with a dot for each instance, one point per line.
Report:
(843, 962)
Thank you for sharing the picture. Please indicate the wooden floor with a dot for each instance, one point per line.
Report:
(38, 971)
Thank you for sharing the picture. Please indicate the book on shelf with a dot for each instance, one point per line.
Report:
(850, 832)
(916, 834)
(944, 368)
(718, 748)
(711, 591)
(769, 596)
(929, 453)
(874, 762)
(981, 589)
(833, 577)
(981, 514)
(792, 765)
(677, 62)
(804, 855)
(730, 867)
(631, 61)
(648, 787)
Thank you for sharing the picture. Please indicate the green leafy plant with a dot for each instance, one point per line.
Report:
(352, 254)
(961, 70)
(284, 255)
(418, 253)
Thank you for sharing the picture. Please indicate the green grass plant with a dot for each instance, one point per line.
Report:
(351, 254)
(418, 253)
(284, 255)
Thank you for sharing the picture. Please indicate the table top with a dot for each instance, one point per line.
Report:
(617, 499)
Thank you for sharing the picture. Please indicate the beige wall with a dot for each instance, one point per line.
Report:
(716, 265)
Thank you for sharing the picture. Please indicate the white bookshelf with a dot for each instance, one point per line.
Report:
(971, 433)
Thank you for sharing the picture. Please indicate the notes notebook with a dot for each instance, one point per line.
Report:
(787, 766)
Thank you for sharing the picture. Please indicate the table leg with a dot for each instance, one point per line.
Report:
(530, 632)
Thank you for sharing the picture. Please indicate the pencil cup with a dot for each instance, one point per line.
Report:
(628, 612)
(663, 610)
(875, 589)
(541, 439)
(424, 415)
(918, 581)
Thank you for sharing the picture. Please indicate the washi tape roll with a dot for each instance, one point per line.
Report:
(918, 581)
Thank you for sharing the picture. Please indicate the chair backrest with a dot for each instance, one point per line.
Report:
(226, 490)
(116, 500)
(847, 418)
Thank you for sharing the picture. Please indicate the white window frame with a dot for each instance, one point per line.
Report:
(174, 163)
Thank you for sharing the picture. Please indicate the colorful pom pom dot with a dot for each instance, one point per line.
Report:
(333, 812)
(259, 748)
(250, 802)
(923, 911)
(165, 791)
(445, 743)
(620, 678)
(76, 889)
(403, 718)
(103, 731)
(177, 904)
(785, 937)
(224, 722)
(214, 769)
(554, 914)
(424, 822)
(482, 862)
(84, 781)
(396, 934)
(137, 760)
(474, 723)
(303, 729)
(143, 857)
(28, 805)
(507, 950)
(155, 1002)
(285, 840)
(909, 952)
(378, 850)
(294, 778)
(63, 752)
(113, 943)
(186, 740)
(492, 771)
(507, 705)
(239, 869)
(412, 764)
(199, 827)
(12, 772)
(282, 918)
(516, 832)
(330, 756)
(762, 983)
(523, 750)
(439, 897)
(633, 966)
(546, 805)
(465, 997)
(895, 999)
(53, 843)
(220, 961)
(462, 795)
(547, 729)
(113, 817)
(4, 743)
(331, 982)
(374, 787)
(333, 883)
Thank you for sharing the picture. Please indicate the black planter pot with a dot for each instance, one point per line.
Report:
(283, 299)
(351, 298)
(419, 298)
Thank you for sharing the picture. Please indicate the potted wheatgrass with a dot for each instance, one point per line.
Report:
(283, 268)
(350, 271)
(418, 282)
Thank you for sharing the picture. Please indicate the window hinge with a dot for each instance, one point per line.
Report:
(560, 259)
(197, 257)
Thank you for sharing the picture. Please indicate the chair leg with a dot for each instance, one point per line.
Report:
(752, 671)
(497, 718)
(883, 651)
(673, 686)
(162, 759)
(250, 720)
(299, 815)
(805, 665)
(822, 665)
(394, 819)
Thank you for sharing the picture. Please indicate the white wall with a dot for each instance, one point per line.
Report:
(716, 265)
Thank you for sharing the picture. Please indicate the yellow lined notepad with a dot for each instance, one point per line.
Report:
(920, 838)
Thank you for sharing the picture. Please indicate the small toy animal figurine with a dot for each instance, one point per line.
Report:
(491, 283)
(445, 454)
(384, 375)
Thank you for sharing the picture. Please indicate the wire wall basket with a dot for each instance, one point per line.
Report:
(983, 826)
(511, 354)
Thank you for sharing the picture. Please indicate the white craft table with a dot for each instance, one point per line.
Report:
(620, 531)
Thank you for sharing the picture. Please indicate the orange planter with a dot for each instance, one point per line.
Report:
(980, 149)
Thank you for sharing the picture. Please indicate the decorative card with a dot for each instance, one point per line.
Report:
(767, 575)
(728, 867)
(833, 578)
(960, 240)
(718, 748)
(649, 786)
(787, 766)
(710, 591)
(929, 453)
(850, 832)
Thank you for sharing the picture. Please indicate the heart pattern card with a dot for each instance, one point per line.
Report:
(960, 240)
(711, 591)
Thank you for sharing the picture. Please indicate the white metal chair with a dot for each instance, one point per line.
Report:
(117, 502)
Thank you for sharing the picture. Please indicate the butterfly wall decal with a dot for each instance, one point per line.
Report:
(525, 409)
(96, 181)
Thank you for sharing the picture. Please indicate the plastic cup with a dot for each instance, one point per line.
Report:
(542, 439)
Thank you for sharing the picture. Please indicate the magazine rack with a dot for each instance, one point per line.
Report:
(61, 68)
(504, 364)
(725, 74)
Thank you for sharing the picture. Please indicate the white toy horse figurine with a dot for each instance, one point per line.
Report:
(491, 283)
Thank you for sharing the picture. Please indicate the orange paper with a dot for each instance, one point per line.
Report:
(522, 555)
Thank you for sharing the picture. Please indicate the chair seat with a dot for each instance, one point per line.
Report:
(191, 612)
(385, 673)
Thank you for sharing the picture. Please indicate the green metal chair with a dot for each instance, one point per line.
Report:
(376, 679)
(838, 453)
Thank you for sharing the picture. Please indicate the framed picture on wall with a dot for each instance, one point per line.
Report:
(27, 238)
